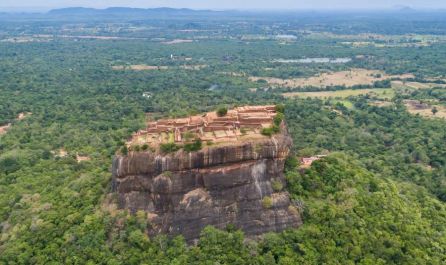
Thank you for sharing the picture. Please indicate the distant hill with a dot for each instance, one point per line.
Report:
(126, 11)
(403, 8)
(72, 10)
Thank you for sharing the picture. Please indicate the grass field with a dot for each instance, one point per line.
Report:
(347, 103)
(415, 85)
(143, 67)
(425, 110)
(139, 67)
(380, 103)
(352, 77)
(382, 93)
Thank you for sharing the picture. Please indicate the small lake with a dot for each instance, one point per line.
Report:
(314, 60)
(286, 37)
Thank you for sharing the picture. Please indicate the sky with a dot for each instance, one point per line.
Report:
(224, 4)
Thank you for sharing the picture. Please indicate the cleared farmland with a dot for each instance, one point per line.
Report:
(348, 78)
(415, 85)
(383, 93)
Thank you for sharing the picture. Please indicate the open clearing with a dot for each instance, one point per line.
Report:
(347, 103)
(143, 67)
(314, 60)
(4, 128)
(194, 67)
(49, 38)
(388, 45)
(381, 103)
(25, 39)
(425, 110)
(383, 93)
(342, 78)
(415, 85)
(139, 67)
(177, 41)
(21, 116)
(60, 153)
(81, 158)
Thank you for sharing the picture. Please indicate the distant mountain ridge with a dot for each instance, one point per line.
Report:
(403, 8)
(126, 11)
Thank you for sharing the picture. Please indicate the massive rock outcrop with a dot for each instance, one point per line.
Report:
(240, 184)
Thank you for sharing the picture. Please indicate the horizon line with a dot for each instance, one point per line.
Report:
(44, 9)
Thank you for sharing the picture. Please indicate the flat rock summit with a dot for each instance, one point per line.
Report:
(236, 178)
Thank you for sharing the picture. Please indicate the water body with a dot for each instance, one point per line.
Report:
(286, 37)
(314, 60)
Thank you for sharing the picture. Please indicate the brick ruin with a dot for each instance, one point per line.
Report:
(239, 123)
(238, 181)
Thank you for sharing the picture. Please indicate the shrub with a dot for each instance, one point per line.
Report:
(434, 110)
(280, 108)
(277, 185)
(291, 163)
(169, 147)
(230, 228)
(270, 130)
(222, 111)
(9, 164)
(145, 147)
(124, 150)
(195, 146)
(243, 131)
(136, 148)
(267, 131)
(267, 202)
(167, 174)
(278, 119)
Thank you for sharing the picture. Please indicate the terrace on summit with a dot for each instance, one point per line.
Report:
(241, 123)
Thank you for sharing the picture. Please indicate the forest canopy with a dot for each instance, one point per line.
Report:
(72, 92)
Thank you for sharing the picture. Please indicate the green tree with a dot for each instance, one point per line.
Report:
(222, 111)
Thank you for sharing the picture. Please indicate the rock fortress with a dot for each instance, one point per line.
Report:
(233, 175)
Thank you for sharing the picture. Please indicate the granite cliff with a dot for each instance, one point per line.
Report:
(241, 183)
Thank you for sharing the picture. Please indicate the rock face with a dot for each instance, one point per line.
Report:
(240, 184)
